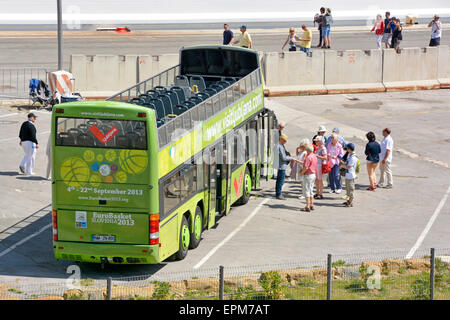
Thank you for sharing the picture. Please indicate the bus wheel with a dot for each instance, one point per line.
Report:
(197, 229)
(246, 186)
(185, 238)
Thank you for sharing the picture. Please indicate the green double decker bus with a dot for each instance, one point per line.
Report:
(138, 177)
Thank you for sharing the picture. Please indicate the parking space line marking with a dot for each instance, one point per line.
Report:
(4, 252)
(429, 224)
(220, 244)
(8, 115)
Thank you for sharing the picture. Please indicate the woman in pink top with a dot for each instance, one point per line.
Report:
(335, 151)
(321, 154)
(308, 173)
(379, 29)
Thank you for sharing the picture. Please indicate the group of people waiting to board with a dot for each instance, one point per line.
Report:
(335, 159)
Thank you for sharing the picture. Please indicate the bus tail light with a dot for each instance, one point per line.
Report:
(59, 110)
(54, 225)
(154, 229)
(142, 115)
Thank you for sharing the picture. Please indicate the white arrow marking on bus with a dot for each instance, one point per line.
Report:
(24, 240)
(255, 211)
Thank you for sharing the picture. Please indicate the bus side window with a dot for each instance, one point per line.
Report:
(171, 193)
(188, 181)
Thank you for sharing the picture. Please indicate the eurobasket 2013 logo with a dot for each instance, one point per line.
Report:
(108, 166)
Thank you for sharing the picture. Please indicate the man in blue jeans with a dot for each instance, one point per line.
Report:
(283, 161)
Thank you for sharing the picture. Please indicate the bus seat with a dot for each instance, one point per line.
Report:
(197, 81)
(166, 102)
(122, 141)
(64, 138)
(159, 107)
(180, 92)
(179, 109)
(216, 87)
(152, 93)
(202, 95)
(145, 97)
(137, 101)
(189, 104)
(85, 140)
(224, 83)
(160, 89)
(229, 79)
(195, 100)
(83, 127)
(181, 81)
(210, 91)
(173, 97)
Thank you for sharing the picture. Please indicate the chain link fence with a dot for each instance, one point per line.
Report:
(386, 275)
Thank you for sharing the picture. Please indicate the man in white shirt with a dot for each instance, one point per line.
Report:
(387, 145)
(436, 31)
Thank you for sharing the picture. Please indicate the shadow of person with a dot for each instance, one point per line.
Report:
(9, 173)
(32, 178)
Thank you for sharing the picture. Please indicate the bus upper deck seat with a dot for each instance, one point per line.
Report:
(86, 140)
(181, 81)
(65, 139)
(173, 97)
(197, 81)
(159, 107)
(83, 127)
(189, 104)
(145, 97)
(202, 95)
(179, 109)
(195, 99)
(217, 87)
(167, 103)
(224, 84)
(137, 101)
(229, 79)
(180, 92)
(160, 89)
(152, 93)
(210, 91)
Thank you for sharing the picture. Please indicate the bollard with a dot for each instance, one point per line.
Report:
(329, 271)
(432, 270)
(108, 288)
(221, 283)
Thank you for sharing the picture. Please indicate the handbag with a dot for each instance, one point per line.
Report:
(326, 168)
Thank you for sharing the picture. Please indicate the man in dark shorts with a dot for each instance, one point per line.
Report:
(228, 36)
(318, 19)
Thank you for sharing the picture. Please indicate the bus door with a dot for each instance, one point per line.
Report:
(272, 139)
(253, 145)
(212, 185)
(222, 184)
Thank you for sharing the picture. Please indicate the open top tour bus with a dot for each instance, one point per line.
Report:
(138, 177)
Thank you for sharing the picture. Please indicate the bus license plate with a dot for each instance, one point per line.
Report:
(102, 238)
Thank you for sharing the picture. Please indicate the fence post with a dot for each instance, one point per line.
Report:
(221, 283)
(329, 271)
(432, 270)
(108, 288)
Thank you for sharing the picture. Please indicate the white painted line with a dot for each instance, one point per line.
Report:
(8, 115)
(231, 235)
(17, 138)
(24, 240)
(428, 226)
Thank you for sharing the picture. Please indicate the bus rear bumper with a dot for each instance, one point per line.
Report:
(110, 253)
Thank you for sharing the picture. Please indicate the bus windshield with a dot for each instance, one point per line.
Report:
(101, 133)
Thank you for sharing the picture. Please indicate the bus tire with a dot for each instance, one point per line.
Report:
(197, 227)
(185, 236)
(246, 187)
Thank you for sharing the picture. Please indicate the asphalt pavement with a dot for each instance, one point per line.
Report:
(414, 214)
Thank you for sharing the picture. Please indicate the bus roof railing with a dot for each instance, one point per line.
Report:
(165, 78)
(219, 102)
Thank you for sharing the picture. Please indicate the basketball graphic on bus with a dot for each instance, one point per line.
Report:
(133, 161)
(89, 155)
(95, 180)
(75, 172)
(121, 177)
(110, 155)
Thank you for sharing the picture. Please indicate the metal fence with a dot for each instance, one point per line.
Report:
(165, 78)
(14, 81)
(208, 108)
(386, 275)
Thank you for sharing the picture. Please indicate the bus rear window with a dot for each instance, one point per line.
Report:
(101, 133)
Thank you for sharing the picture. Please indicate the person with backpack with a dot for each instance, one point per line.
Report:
(327, 20)
(334, 151)
(350, 174)
(321, 155)
(318, 18)
(397, 35)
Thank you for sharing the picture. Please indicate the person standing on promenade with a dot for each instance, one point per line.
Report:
(335, 151)
(396, 35)
(228, 35)
(283, 161)
(322, 157)
(319, 19)
(378, 27)
(436, 31)
(350, 175)
(326, 27)
(29, 144)
(305, 40)
(245, 41)
(291, 39)
(387, 30)
(387, 146)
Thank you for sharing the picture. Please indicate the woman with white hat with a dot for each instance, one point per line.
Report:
(320, 132)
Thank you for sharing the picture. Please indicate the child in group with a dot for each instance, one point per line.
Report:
(350, 174)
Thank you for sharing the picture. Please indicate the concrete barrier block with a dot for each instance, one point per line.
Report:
(127, 71)
(145, 67)
(353, 71)
(103, 73)
(78, 70)
(444, 66)
(293, 73)
(411, 69)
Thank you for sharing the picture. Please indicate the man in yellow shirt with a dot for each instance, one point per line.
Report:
(245, 40)
(305, 40)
